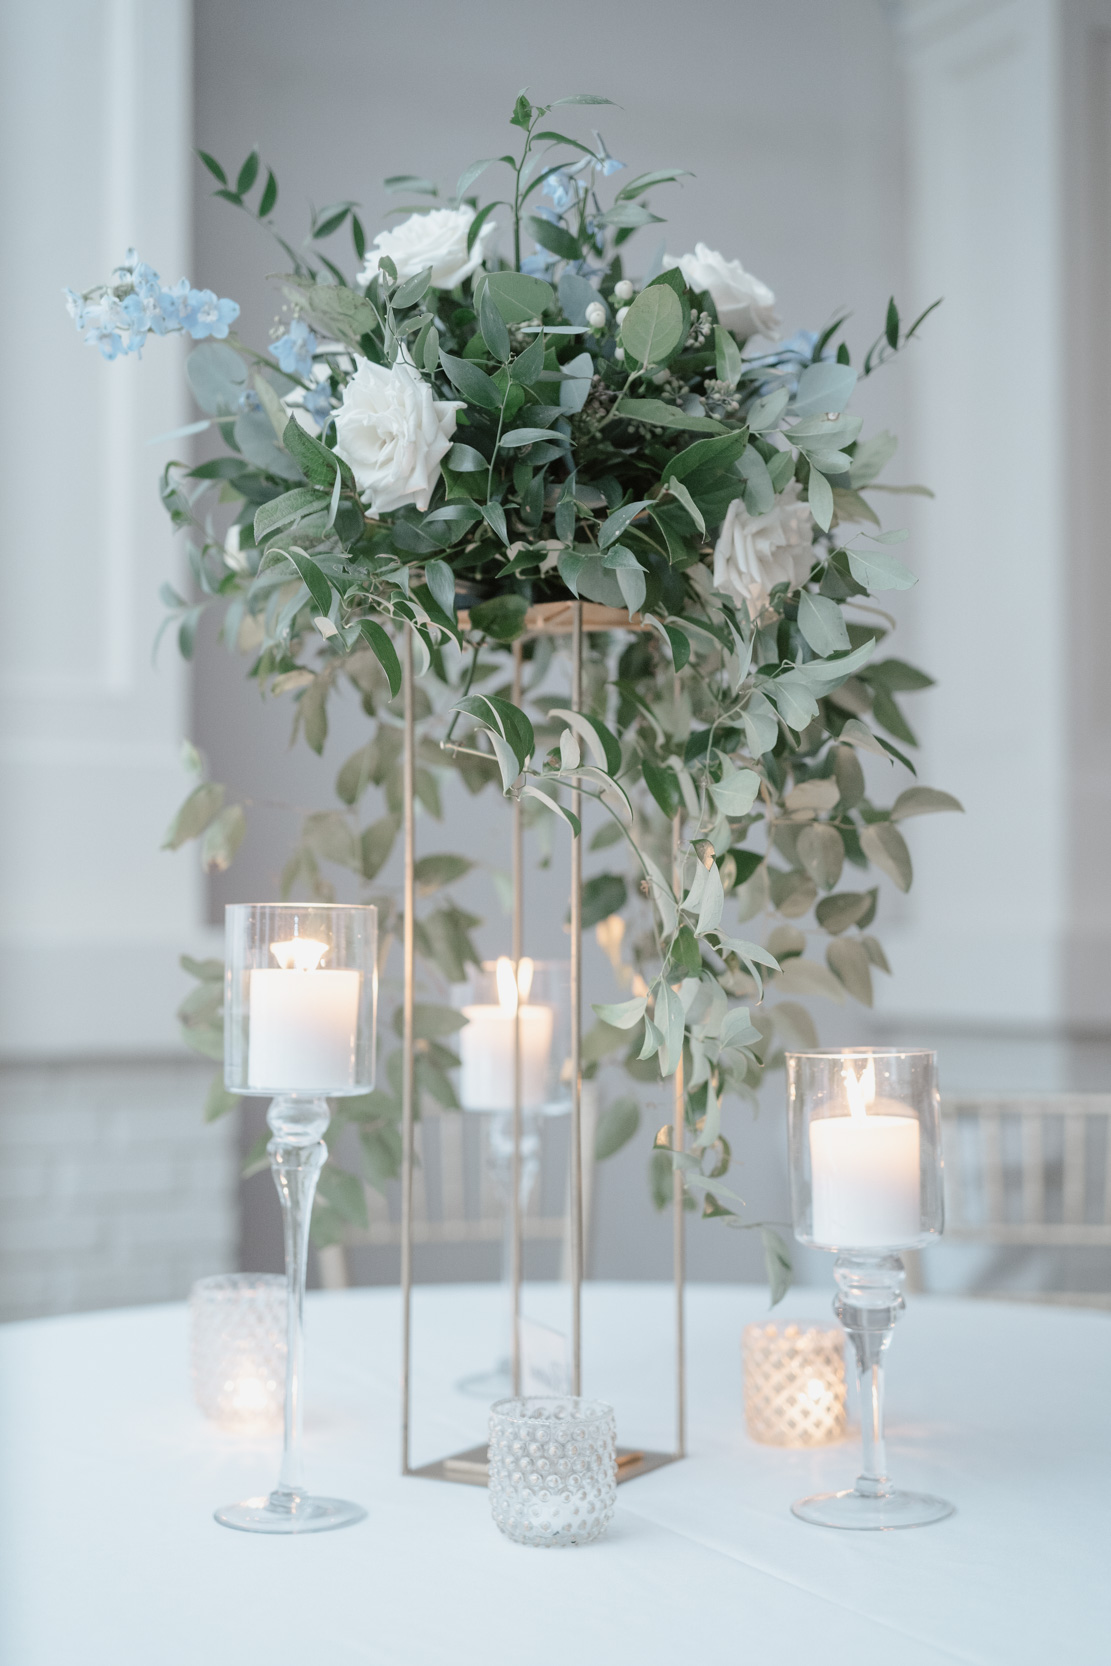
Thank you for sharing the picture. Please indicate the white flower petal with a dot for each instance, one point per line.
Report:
(394, 435)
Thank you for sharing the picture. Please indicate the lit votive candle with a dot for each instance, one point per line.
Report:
(488, 1039)
(304, 1022)
(865, 1170)
(237, 1324)
(794, 1383)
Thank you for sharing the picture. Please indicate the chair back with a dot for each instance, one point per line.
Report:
(1033, 1171)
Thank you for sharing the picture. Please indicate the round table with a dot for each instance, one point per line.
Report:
(110, 1476)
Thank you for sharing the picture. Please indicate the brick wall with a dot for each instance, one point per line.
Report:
(112, 1189)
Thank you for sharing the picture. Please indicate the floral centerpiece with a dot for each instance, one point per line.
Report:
(488, 416)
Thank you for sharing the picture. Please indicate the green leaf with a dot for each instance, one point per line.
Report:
(659, 415)
(822, 853)
(213, 167)
(883, 844)
(644, 182)
(492, 326)
(819, 495)
(502, 617)
(616, 524)
(503, 719)
(464, 459)
(286, 510)
(315, 581)
(603, 895)
(202, 806)
(518, 297)
(318, 462)
(686, 959)
(824, 387)
(653, 325)
(623, 1015)
(218, 1101)
(376, 843)
(679, 491)
(217, 377)
(344, 1193)
(763, 414)
(877, 570)
(555, 239)
(384, 651)
(473, 383)
(432, 872)
(603, 744)
(494, 516)
(777, 1263)
(407, 294)
(923, 801)
(729, 364)
(837, 913)
(616, 1127)
(222, 839)
(248, 173)
(526, 367)
(822, 624)
(663, 783)
(554, 806)
(585, 98)
(847, 958)
(891, 323)
(269, 198)
(680, 646)
(336, 311)
(736, 792)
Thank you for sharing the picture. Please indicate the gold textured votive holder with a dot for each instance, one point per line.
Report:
(794, 1383)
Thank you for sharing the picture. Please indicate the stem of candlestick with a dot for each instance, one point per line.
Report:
(868, 1302)
(297, 1154)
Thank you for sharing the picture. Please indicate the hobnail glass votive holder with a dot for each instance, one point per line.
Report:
(553, 1469)
(238, 1349)
(794, 1383)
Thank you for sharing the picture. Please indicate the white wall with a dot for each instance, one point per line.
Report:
(113, 1190)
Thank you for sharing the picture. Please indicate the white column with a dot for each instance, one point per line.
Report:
(1009, 121)
(95, 118)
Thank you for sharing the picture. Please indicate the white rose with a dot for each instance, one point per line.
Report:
(439, 240)
(744, 304)
(393, 434)
(755, 552)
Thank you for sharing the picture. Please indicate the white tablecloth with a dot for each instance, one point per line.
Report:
(109, 1477)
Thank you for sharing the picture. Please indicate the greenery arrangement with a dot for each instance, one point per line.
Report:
(453, 439)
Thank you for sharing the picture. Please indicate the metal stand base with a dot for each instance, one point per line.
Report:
(470, 1469)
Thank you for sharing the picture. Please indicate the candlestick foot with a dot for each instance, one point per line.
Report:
(874, 1512)
(290, 1512)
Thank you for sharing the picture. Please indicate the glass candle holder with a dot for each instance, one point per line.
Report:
(299, 1017)
(553, 1469)
(515, 1065)
(237, 1346)
(865, 1145)
(530, 1012)
(794, 1383)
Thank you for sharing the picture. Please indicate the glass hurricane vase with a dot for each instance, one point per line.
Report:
(299, 1028)
(865, 1144)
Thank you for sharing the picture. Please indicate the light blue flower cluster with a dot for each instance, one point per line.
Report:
(295, 349)
(118, 316)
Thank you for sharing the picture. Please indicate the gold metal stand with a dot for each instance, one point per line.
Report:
(469, 1467)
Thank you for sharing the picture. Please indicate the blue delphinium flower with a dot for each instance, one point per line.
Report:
(539, 265)
(208, 315)
(295, 349)
(318, 403)
(563, 191)
(117, 317)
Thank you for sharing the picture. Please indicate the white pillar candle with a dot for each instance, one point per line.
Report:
(486, 1047)
(865, 1171)
(303, 1023)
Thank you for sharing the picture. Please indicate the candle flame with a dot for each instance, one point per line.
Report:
(300, 954)
(859, 1090)
(513, 989)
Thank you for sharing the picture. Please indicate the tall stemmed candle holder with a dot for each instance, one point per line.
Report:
(299, 1016)
(515, 1066)
(866, 1183)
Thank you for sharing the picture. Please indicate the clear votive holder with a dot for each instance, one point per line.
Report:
(794, 1383)
(237, 1325)
(553, 1469)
